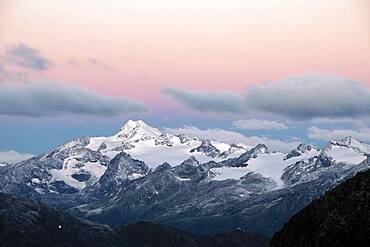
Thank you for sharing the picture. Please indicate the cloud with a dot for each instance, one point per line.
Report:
(11, 156)
(315, 133)
(25, 56)
(259, 124)
(48, 98)
(207, 101)
(234, 137)
(296, 97)
(311, 96)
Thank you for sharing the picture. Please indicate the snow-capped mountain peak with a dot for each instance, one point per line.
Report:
(302, 149)
(261, 148)
(137, 129)
(305, 147)
(153, 146)
(351, 142)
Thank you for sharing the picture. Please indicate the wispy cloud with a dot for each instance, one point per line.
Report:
(49, 98)
(259, 124)
(11, 156)
(25, 56)
(207, 101)
(296, 97)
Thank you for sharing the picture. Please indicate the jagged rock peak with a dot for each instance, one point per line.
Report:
(164, 166)
(124, 159)
(190, 161)
(121, 170)
(349, 142)
(301, 149)
(207, 148)
(183, 138)
(305, 147)
(262, 148)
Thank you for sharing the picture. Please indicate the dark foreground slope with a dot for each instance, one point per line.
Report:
(148, 234)
(27, 223)
(340, 218)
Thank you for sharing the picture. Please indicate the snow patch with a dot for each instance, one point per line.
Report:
(182, 179)
(346, 155)
(95, 169)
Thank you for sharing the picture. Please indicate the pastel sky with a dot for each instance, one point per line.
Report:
(200, 63)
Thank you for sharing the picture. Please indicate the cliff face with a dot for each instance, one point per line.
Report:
(340, 218)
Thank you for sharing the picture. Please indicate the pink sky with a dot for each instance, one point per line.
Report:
(143, 46)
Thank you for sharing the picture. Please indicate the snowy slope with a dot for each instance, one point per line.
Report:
(269, 165)
(81, 163)
(154, 147)
(273, 165)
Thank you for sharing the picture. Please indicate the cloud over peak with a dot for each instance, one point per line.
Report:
(49, 98)
(316, 133)
(11, 156)
(259, 124)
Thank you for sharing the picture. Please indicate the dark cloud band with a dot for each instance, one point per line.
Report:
(297, 97)
(47, 98)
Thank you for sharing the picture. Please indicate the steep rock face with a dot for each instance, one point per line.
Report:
(121, 170)
(244, 158)
(207, 148)
(190, 169)
(301, 149)
(340, 218)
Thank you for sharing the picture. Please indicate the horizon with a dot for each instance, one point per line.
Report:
(11, 156)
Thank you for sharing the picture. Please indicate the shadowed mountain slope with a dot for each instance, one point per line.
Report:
(340, 218)
(27, 223)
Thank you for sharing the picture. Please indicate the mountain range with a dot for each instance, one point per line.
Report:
(193, 184)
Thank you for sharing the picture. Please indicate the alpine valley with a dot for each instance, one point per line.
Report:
(193, 184)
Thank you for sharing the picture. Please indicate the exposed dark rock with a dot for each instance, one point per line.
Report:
(244, 158)
(81, 177)
(340, 218)
(207, 148)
